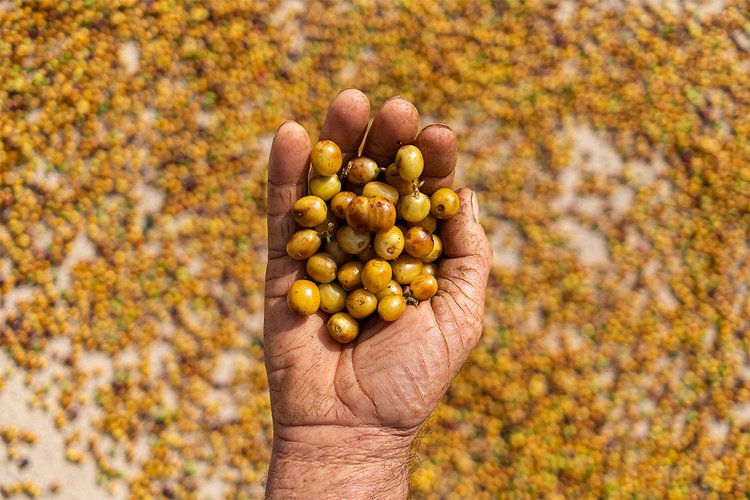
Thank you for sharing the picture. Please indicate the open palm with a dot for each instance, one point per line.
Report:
(394, 374)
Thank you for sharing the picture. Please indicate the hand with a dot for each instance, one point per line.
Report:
(358, 406)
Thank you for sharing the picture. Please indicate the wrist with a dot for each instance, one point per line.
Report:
(339, 462)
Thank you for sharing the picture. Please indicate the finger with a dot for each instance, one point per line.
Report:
(346, 122)
(287, 174)
(437, 142)
(395, 125)
(463, 273)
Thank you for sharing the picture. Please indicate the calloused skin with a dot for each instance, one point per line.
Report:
(345, 415)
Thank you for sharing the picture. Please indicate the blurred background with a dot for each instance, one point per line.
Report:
(608, 144)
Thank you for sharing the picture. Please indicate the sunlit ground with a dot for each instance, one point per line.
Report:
(607, 142)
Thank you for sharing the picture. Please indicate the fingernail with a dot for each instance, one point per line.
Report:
(475, 207)
(284, 123)
(394, 97)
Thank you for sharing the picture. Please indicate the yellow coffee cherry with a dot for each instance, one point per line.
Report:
(303, 244)
(423, 286)
(325, 187)
(352, 241)
(444, 203)
(392, 288)
(430, 268)
(350, 275)
(377, 188)
(414, 207)
(342, 327)
(303, 298)
(360, 303)
(332, 297)
(406, 268)
(340, 257)
(321, 267)
(391, 307)
(309, 211)
(376, 274)
(437, 249)
(390, 244)
(429, 223)
(409, 162)
(326, 157)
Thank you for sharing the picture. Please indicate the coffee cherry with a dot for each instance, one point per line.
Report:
(339, 203)
(376, 188)
(328, 227)
(375, 214)
(309, 211)
(332, 297)
(321, 267)
(352, 241)
(444, 203)
(423, 286)
(367, 255)
(376, 275)
(430, 268)
(357, 213)
(361, 303)
(333, 249)
(342, 327)
(393, 179)
(350, 275)
(414, 207)
(302, 244)
(406, 268)
(325, 187)
(429, 223)
(409, 162)
(418, 242)
(382, 214)
(392, 288)
(390, 244)
(362, 170)
(303, 298)
(391, 307)
(326, 157)
(437, 249)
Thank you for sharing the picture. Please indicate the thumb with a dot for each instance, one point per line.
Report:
(463, 273)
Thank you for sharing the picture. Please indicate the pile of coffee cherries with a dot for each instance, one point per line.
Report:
(368, 236)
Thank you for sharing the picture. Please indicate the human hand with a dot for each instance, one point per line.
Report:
(344, 415)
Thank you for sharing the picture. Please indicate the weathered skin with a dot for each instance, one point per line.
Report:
(357, 407)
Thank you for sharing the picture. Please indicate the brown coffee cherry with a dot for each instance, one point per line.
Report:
(375, 214)
(362, 170)
(339, 203)
(418, 242)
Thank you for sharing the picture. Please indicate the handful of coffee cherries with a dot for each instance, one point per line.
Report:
(371, 248)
